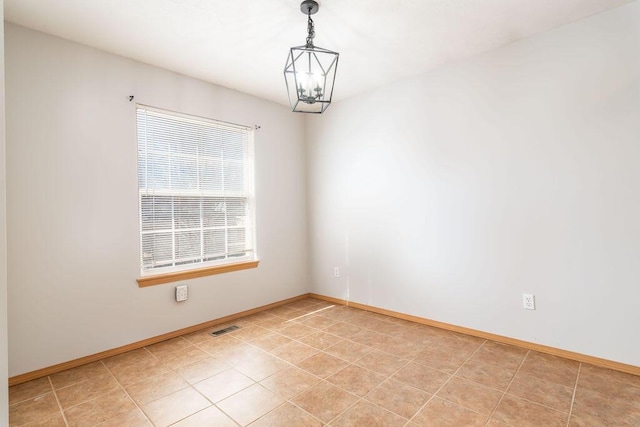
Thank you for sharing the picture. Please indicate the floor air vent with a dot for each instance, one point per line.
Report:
(224, 331)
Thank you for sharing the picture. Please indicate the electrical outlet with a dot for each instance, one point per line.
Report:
(182, 292)
(336, 271)
(528, 301)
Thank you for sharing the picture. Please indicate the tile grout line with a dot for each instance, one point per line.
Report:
(347, 408)
(361, 398)
(387, 378)
(349, 363)
(32, 397)
(439, 388)
(290, 400)
(543, 405)
(504, 393)
(239, 391)
(382, 407)
(382, 382)
(304, 410)
(220, 409)
(224, 398)
(126, 392)
(192, 386)
(447, 381)
(269, 353)
(296, 339)
(353, 363)
(77, 404)
(64, 417)
(573, 397)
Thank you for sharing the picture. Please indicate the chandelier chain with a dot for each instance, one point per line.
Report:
(312, 32)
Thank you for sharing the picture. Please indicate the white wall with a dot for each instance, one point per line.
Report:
(448, 195)
(72, 210)
(4, 392)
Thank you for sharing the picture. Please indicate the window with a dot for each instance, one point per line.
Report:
(196, 199)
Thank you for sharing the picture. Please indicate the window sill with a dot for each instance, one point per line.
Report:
(175, 276)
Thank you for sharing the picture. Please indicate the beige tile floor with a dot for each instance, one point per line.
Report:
(309, 363)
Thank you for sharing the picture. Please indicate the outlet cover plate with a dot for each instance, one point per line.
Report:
(528, 301)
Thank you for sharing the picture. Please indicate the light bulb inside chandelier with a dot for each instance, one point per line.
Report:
(310, 86)
(310, 71)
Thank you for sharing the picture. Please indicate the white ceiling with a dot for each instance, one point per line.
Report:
(243, 44)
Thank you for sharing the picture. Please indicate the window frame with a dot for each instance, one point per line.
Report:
(159, 275)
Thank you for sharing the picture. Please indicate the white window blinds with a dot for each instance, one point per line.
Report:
(195, 180)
